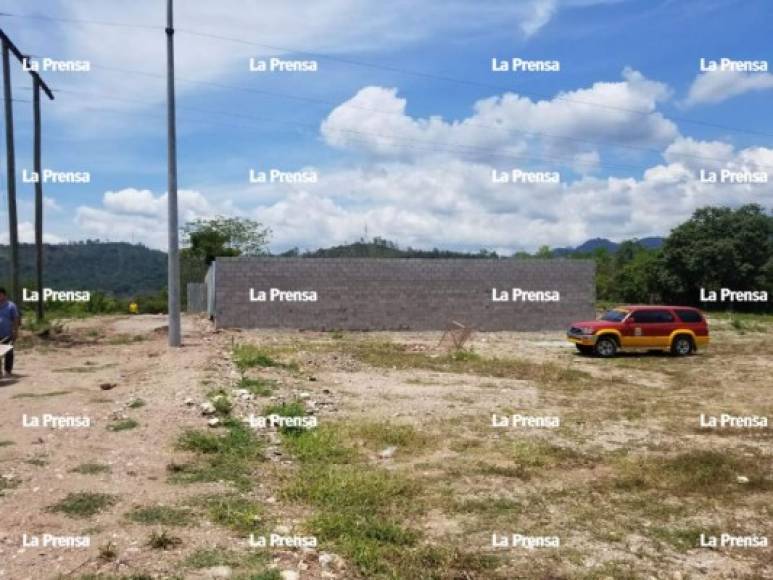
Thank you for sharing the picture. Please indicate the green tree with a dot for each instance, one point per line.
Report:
(225, 236)
(718, 247)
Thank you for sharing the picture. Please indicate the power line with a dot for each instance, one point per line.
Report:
(80, 21)
(330, 102)
(400, 70)
(361, 137)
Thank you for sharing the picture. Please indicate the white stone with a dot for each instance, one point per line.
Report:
(387, 453)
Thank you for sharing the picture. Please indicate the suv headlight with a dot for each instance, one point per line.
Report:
(586, 330)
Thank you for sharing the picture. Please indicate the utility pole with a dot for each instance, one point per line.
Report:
(38, 192)
(13, 231)
(13, 228)
(174, 250)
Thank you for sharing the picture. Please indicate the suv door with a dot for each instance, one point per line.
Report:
(650, 327)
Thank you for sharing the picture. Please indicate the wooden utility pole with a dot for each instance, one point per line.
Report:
(38, 192)
(13, 227)
(174, 249)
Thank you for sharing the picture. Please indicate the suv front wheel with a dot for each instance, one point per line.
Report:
(606, 347)
(682, 345)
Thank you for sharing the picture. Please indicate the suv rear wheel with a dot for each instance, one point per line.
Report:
(682, 345)
(605, 347)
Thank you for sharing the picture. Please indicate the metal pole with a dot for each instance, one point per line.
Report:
(13, 230)
(38, 194)
(174, 250)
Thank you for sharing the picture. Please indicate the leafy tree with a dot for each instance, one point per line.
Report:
(225, 236)
(718, 247)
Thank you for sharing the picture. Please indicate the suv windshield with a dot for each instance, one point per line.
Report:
(614, 315)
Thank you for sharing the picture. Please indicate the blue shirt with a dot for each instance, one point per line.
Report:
(8, 314)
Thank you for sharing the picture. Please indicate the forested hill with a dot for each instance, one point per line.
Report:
(116, 268)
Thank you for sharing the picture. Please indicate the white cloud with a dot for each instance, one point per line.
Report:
(375, 121)
(540, 14)
(27, 235)
(140, 216)
(50, 204)
(443, 202)
(718, 86)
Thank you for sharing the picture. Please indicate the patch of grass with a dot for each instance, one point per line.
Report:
(6, 443)
(220, 400)
(341, 486)
(91, 468)
(161, 515)
(108, 552)
(163, 540)
(251, 566)
(701, 472)
(321, 445)
(248, 356)
(488, 506)
(122, 425)
(238, 513)
(228, 457)
(515, 471)
(40, 395)
(681, 539)
(378, 435)
(136, 403)
(540, 454)
(37, 461)
(84, 504)
(294, 409)
(258, 387)
(397, 356)
(362, 510)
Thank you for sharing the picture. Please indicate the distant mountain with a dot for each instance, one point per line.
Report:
(116, 268)
(651, 243)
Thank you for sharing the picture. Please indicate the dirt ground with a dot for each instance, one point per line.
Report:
(608, 482)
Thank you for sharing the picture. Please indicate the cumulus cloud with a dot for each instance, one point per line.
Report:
(717, 86)
(141, 216)
(442, 202)
(375, 121)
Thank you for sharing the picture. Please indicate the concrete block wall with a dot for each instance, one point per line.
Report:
(402, 294)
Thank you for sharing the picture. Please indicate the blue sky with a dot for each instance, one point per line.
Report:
(403, 147)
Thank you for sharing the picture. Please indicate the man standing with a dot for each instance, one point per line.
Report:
(9, 326)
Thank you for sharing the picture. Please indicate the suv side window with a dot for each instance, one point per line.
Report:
(689, 316)
(652, 316)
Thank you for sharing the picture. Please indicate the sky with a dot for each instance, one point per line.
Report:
(404, 121)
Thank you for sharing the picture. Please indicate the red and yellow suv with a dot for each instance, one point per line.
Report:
(679, 329)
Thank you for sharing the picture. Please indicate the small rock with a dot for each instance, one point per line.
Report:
(326, 391)
(289, 575)
(325, 559)
(304, 395)
(207, 408)
(387, 453)
(107, 386)
(189, 402)
(312, 379)
(742, 479)
(213, 422)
